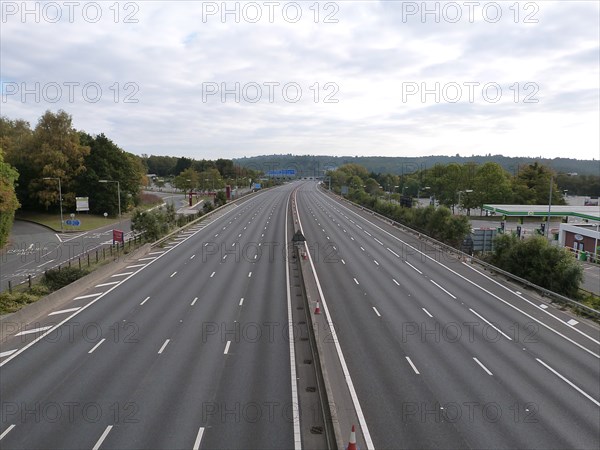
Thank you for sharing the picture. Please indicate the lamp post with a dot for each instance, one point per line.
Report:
(59, 200)
(118, 195)
(549, 207)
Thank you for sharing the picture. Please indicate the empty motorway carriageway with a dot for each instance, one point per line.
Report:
(201, 342)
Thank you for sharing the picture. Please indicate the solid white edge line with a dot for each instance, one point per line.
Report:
(293, 375)
(540, 307)
(376, 312)
(198, 439)
(144, 301)
(491, 325)
(480, 287)
(164, 346)
(427, 312)
(5, 432)
(97, 345)
(412, 365)
(568, 382)
(227, 347)
(451, 295)
(483, 367)
(101, 440)
(361, 418)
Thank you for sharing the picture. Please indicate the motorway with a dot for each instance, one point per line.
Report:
(187, 347)
(440, 354)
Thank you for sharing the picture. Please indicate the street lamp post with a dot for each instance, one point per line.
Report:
(118, 195)
(549, 207)
(59, 201)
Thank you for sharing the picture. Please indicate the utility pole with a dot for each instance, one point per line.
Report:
(549, 206)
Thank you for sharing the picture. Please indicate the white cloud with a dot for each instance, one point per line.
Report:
(369, 56)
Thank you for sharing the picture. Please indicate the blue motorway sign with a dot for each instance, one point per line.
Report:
(282, 173)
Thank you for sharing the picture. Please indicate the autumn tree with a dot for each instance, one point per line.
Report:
(107, 161)
(55, 152)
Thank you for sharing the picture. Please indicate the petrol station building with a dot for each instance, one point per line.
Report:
(581, 235)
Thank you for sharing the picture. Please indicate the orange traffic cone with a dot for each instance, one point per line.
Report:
(317, 309)
(352, 443)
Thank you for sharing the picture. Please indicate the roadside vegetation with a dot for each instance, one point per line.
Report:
(439, 223)
(539, 262)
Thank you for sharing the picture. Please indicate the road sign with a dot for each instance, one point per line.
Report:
(118, 236)
(73, 222)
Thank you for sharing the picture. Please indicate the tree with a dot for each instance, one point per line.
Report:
(187, 180)
(531, 186)
(55, 152)
(106, 161)
(491, 185)
(536, 260)
(220, 198)
(8, 198)
(153, 223)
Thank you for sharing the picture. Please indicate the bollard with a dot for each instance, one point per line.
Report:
(88, 258)
(79, 263)
(103, 253)
(29, 280)
(9, 287)
(96, 255)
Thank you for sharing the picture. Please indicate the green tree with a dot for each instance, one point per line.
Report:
(107, 161)
(8, 198)
(55, 152)
(187, 180)
(538, 261)
(531, 186)
(491, 185)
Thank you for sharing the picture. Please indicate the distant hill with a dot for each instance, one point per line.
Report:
(309, 165)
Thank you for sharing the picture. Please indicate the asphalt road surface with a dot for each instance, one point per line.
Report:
(34, 248)
(185, 348)
(441, 355)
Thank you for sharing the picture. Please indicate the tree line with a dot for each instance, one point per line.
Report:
(315, 165)
(33, 160)
(458, 185)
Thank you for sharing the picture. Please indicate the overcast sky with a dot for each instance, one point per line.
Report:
(333, 78)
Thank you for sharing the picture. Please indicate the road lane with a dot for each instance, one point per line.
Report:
(161, 366)
(446, 364)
